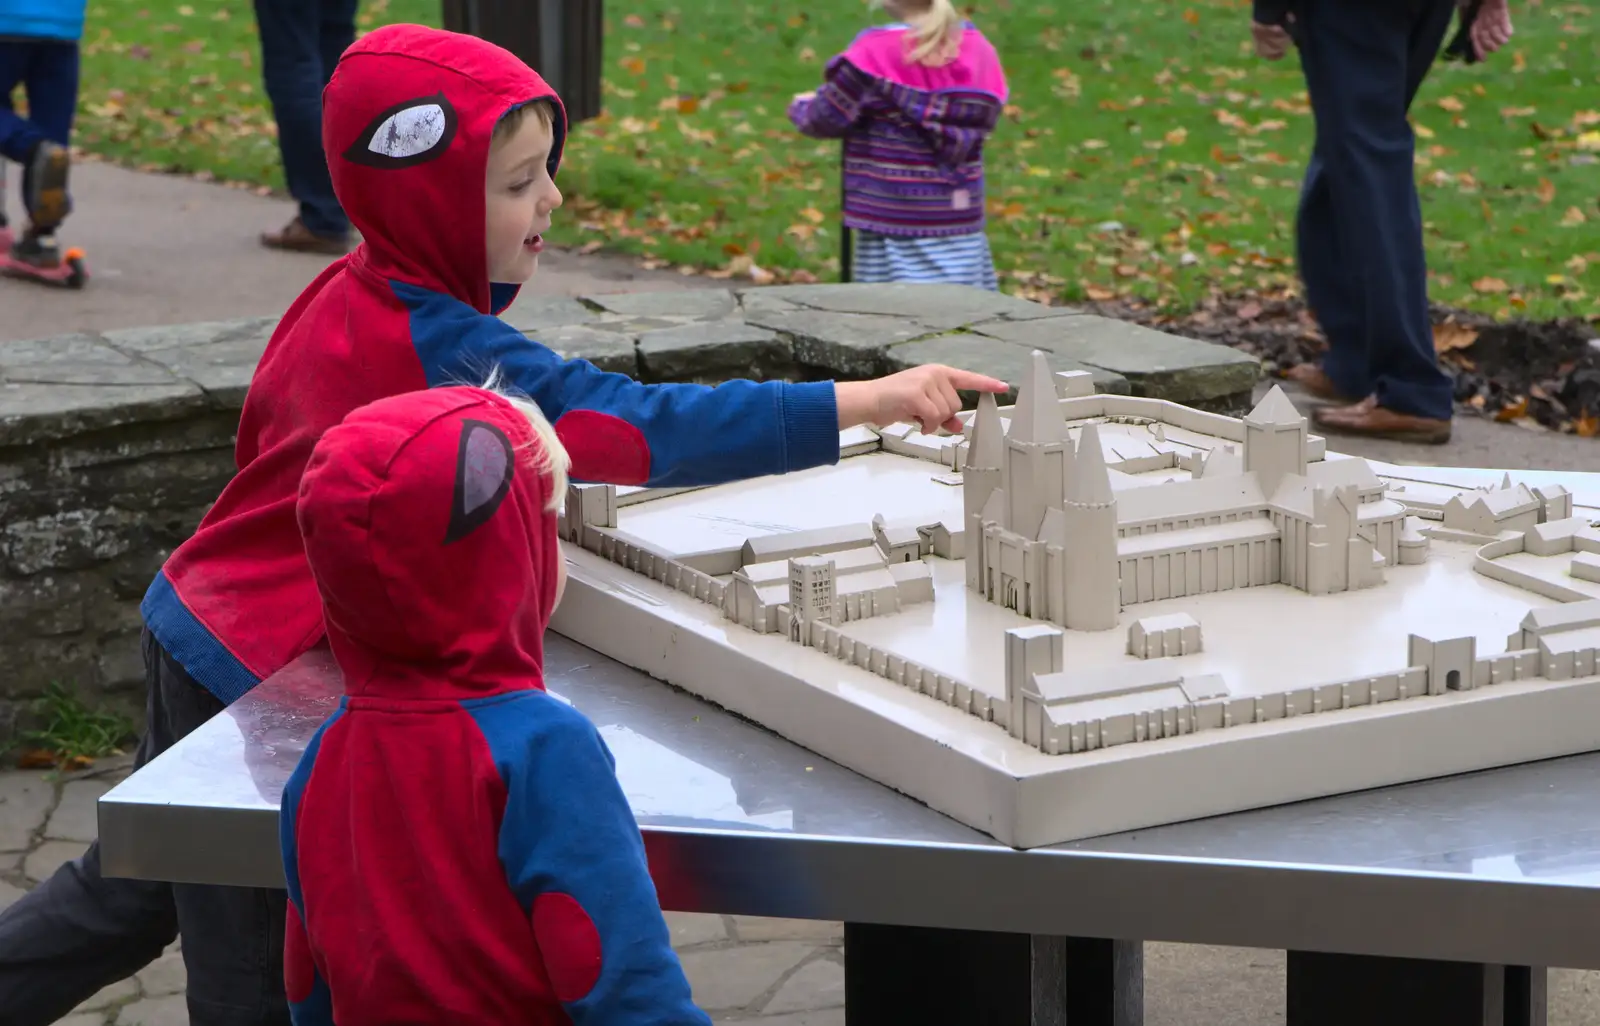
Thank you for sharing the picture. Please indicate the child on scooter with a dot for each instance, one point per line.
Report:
(39, 52)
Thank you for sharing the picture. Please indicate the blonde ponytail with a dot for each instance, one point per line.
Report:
(935, 31)
(552, 459)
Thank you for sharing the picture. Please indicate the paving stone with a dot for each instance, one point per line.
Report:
(699, 304)
(75, 817)
(691, 928)
(220, 357)
(96, 1019)
(122, 990)
(815, 985)
(25, 800)
(720, 349)
(50, 856)
(938, 307)
(608, 350)
(531, 313)
(849, 345)
(1003, 360)
(1156, 364)
(816, 931)
(732, 978)
(166, 975)
(51, 388)
(161, 1011)
(764, 301)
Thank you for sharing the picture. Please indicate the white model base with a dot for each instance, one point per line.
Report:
(1453, 654)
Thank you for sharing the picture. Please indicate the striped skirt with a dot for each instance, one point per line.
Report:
(947, 260)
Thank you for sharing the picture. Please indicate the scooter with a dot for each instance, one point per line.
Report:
(70, 273)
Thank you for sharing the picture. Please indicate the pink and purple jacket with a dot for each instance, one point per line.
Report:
(913, 135)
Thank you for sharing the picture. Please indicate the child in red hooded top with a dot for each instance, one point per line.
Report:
(457, 847)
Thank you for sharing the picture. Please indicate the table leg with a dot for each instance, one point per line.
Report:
(904, 974)
(1336, 990)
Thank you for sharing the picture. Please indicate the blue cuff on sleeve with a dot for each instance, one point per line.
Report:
(810, 425)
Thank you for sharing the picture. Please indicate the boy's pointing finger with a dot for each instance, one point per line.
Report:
(967, 381)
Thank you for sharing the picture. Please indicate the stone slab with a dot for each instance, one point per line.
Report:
(814, 986)
(699, 305)
(608, 350)
(847, 344)
(113, 994)
(220, 356)
(691, 929)
(161, 1011)
(531, 313)
(1156, 364)
(9, 895)
(815, 931)
(49, 857)
(734, 978)
(724, 348)
(166, 975)
(993, 357)
(25, 801)
(72, 384)
(938, 307)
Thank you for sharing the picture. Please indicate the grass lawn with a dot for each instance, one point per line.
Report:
(1149, 114)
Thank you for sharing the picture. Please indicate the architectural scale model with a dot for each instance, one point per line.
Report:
(1089, 613)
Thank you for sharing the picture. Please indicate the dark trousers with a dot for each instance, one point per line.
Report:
(1360, 222)
(79, 931)
(301, 41)
(47, 71)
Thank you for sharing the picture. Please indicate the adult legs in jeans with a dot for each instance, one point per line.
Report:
(1360, 223)
(48, 72)
(301, 41)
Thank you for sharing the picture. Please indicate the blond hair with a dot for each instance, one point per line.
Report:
(935, 29)
(552, 460)
(542, 111)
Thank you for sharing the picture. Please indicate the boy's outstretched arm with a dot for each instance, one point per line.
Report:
(620, 431)
(574, 858)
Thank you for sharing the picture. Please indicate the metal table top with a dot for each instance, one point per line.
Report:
(1497, 867)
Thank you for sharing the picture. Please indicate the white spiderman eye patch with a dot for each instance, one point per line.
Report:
(410, 132)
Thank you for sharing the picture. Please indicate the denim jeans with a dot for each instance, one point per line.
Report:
(47, 71)
(301, 41)
(1360, 223)
(79, 931)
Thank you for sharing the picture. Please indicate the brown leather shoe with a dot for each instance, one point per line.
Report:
(297, 238)
(1311, 378)
(1370, 420)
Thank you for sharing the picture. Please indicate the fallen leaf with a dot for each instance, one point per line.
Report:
(1589, 141)
(1519, 63)
(1512, 411)
(1191, 15)
(1177, 136)
(807, 55)
(592, 246)
(1125, 271)
(36, 758)
(1249, 311)
(1546, 191)
(1422, 131)
(633, 21)
(1099, 295)
(1572, 218)
(688, 104)
(632, 65)
(1577, 265)
(813, 215)
(1489, 285)
(1451, 104)
(1450, 336)
(1093, 144)
(1586, 425)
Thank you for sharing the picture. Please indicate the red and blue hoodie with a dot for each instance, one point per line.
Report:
(457, 847)
(407, 120)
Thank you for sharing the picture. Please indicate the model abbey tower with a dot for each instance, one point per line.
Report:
(1050, 538)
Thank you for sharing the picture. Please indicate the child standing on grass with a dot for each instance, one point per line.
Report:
(913, 102)
(39, 52)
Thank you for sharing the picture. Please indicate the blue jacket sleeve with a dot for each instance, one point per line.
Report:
(310, 1001)
(694, 434)
(574, 858)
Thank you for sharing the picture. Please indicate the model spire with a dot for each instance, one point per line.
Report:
(985, 438)
(1275, 409)
(1091, 480)
(1037, 415)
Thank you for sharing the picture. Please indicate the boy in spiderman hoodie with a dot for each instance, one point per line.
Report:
(442, 149)
(456, 844)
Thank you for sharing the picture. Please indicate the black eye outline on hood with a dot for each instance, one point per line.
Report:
(470, 479)
(361, 152)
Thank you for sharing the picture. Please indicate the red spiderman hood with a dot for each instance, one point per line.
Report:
(426, 528)
(407, 119)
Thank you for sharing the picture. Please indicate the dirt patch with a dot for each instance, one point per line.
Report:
(1547, 372)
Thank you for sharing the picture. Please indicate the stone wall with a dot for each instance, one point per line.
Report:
(112, 446)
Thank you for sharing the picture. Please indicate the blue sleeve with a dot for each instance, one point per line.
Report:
(310, 1000)
(692, 434)
(569, 841)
